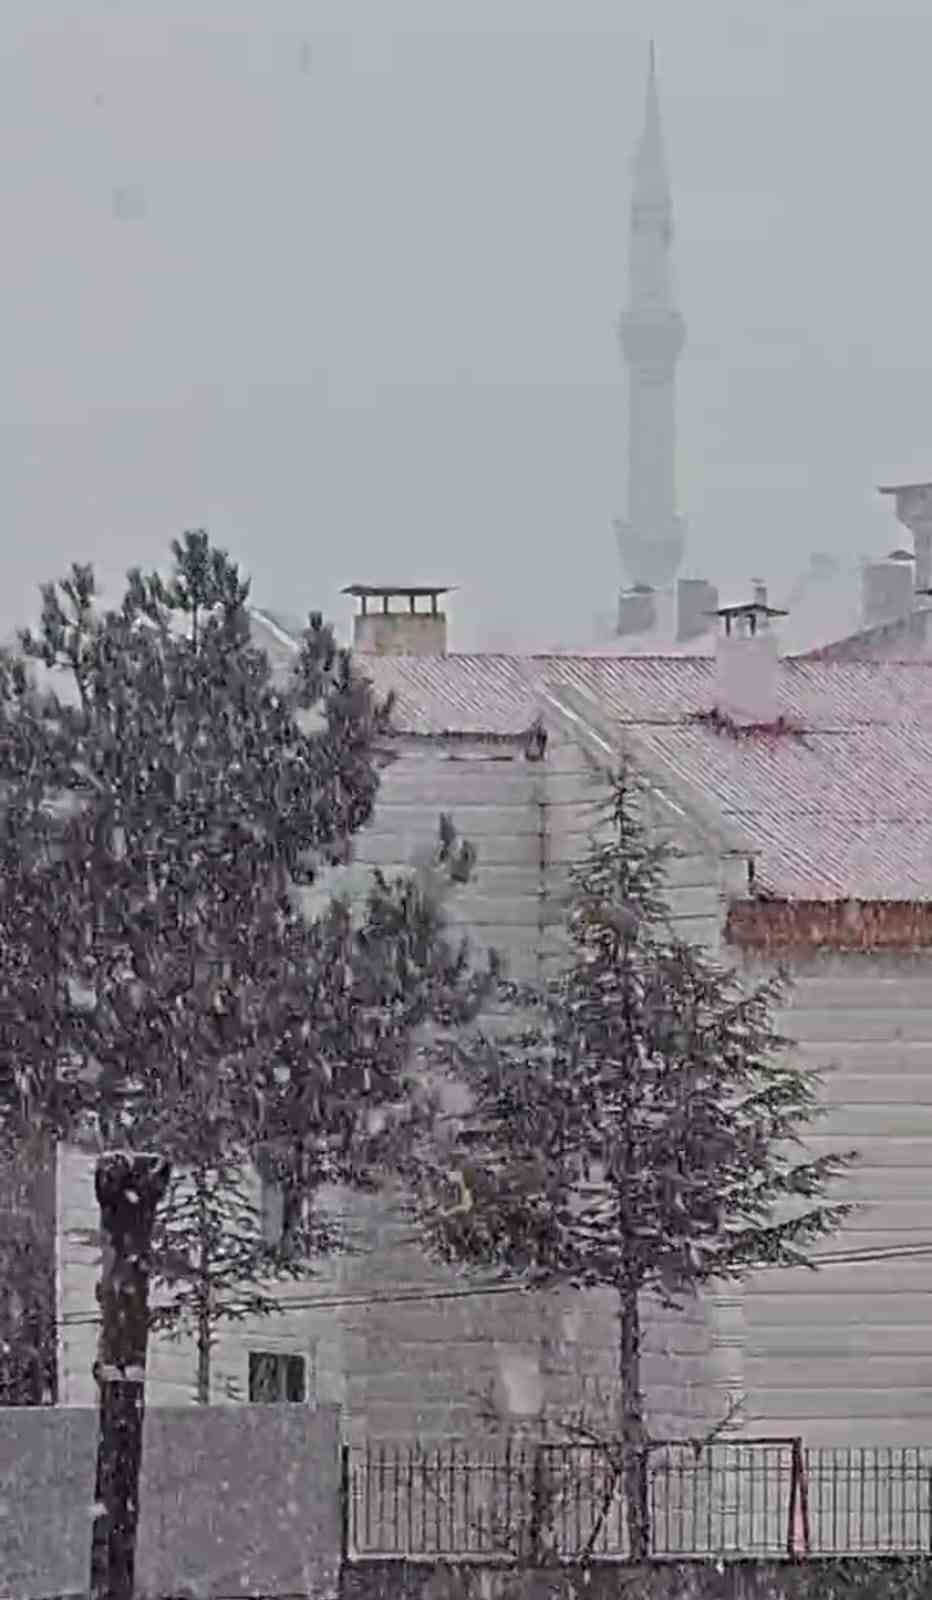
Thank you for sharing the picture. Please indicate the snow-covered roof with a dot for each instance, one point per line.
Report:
(835, 805)
(907, 638)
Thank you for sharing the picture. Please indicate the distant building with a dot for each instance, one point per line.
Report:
(896, 616)
(651, 538)
(847, 606)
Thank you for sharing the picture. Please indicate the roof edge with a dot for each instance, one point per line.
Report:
(782, 926)
(582, 717)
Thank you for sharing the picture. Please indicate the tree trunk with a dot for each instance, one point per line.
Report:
(203, 1298)
(129, 1188)
(634, 1464)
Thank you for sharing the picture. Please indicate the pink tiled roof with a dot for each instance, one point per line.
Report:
(842, 809)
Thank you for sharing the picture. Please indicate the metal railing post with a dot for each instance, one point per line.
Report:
(345, 1495)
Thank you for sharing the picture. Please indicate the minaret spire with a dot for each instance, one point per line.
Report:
(652, 332)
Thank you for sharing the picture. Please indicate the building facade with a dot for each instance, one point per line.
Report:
(802, 839)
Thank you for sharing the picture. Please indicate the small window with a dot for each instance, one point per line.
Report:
(275, 1378)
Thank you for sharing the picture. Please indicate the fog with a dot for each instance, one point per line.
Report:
(340, 282)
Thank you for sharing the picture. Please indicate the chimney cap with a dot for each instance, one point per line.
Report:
(898, 488)
(901, 555)
(755, 613)
(748, 608)
(386, 591)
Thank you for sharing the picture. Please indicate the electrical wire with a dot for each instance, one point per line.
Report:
(919, 1251)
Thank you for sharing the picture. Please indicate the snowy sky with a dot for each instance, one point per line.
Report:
(339, 279)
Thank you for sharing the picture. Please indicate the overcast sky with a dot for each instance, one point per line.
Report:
(340, 278)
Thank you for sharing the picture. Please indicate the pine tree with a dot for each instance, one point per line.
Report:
(214, 1261)
(344, 1112)
(162, 802)
(639, 1128)
(28, 1354)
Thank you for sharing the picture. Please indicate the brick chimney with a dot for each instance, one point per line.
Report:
(400, 619)
(887, 590)
(913, 506)
(696, 604)
(747, 659)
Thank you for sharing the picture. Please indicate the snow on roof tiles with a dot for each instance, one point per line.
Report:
(839, 809)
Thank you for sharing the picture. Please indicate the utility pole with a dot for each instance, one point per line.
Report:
(129, 1187)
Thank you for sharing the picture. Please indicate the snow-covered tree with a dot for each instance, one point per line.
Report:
(639, 1129)
(28, 1355)
(163, 799)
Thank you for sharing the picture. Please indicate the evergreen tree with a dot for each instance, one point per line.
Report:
(164, 802)
(28, 1355)
(334, 1099)
(638, 1129)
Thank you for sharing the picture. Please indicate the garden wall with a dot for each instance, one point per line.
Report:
(233, 1501)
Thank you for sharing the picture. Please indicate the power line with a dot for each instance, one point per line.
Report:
(918, 1251)
(337, 1302)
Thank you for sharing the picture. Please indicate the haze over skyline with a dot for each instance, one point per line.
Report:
(341, 283)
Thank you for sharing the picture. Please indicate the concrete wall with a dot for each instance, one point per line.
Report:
(243, 1502)
(400, 633)
(861, 1578)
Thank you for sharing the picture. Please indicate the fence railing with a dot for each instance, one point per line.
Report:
(765, 1496)
(870, 1499)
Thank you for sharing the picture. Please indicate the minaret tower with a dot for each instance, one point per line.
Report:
(652, 334)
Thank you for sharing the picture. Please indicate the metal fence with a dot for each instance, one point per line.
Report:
(873, 1500)
(765, 1496)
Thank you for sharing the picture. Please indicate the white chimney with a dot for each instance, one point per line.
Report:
(696, 603)
(637, 611)
(913, 505)
(887, 589)
(747, 662)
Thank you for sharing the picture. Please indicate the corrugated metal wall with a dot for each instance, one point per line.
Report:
(844, 1355)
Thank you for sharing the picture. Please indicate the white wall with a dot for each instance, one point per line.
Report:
(844, 1355)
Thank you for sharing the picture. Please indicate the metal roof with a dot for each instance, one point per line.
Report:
(837, 806)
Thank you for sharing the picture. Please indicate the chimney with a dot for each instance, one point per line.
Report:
(913, 506)
(399, 619)
(887, 589)
(747, 661)
(696, 603)
(637, 610)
